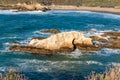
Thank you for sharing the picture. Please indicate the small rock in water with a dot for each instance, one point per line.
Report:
(15, 43)
(53, 31)
(39, 38)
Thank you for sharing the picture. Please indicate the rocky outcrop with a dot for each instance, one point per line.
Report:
(39, 51)
(113, 40)
(57, 41)
(62, 42)
(68, 41)
(109, 39)
(25, 7)
(52, 31)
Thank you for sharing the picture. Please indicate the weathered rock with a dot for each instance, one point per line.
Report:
(88, 48)
(113, 45)
(113, 41)
(57, 41)
(25, 7)
(53, 31)
(97, 38)
(32, 50)
(38, 38)
(45, 9)
(62, 42)
(112, 35)
(68, 41)
(40, 51)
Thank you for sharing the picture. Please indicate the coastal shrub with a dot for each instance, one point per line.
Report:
(112, 73)
(11, 74)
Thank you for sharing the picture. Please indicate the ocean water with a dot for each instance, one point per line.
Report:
(23, 26)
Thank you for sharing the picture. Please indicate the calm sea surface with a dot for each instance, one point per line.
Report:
(22, 26)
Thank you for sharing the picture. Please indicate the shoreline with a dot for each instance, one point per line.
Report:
(38, 7)
(82, 8)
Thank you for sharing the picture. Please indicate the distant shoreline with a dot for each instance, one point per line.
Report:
(34, 7)
(82, 8)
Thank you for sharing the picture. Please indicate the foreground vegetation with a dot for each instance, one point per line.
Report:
(68, 2)
(110, 74)
(12, 75)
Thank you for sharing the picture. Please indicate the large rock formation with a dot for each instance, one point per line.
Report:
(66, 39)
(62, 42)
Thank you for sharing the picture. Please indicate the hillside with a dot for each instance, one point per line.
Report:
(68, 2)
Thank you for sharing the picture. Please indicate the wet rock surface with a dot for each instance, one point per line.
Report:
(52, 31)
(39, 51)
(39, 38)
(109, 39)
(97, 38)
(69, 41)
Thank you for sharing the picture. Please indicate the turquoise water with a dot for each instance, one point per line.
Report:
(22, 26)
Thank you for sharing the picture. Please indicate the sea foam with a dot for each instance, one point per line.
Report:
(15, 12)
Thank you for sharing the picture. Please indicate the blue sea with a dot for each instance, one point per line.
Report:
(23, 26)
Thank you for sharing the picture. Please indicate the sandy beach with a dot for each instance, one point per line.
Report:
(37, 6)
(82, 8)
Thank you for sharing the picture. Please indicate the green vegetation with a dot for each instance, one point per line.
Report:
(68, 2)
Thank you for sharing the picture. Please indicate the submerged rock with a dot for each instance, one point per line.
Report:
(53, 31)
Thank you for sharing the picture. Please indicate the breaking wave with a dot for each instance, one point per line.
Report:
(51, 66)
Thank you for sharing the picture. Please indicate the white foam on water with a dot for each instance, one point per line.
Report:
(14, 37)
(24, 12)
(3, 69)
(108, 52)
(114, 64)
(75, 54)
(70, 11)
(112, 16)
(40, 34)
(105, 15)
(51, 66)
(92, 33)
(94, 62)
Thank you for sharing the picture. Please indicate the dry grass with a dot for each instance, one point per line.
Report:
(69, 2)
(12, 75)
(110, 74)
